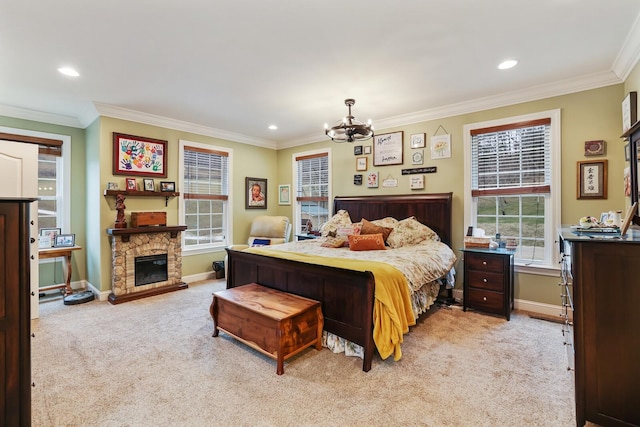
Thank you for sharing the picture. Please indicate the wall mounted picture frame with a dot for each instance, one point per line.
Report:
(137, 155)
(357, 150)
(417, 157)
(284, 194)
(594, 148)
(65, 240)
(629, 111)
(388, 149)
(149, 185)
(372, 180)
(592, 179)
(361, 163)
(366, 149)
(440, 146)
(131, 184)
(416, 182)
(418, 140)
(256, 193)
(357, 179)
(167, 186)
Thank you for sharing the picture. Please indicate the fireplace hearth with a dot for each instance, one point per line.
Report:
(146, 261)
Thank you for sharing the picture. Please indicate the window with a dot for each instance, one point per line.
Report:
(205, 196)
(513, 183)
(311, 172)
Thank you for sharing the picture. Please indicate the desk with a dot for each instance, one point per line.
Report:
(60, 252)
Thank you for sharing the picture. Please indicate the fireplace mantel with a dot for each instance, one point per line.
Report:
(124, 233)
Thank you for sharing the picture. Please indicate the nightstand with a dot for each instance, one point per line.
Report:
(488, 280)
(306, 237)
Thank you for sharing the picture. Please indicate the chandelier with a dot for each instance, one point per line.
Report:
(349, 129)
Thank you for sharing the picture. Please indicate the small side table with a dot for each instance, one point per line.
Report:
(306, 237)
(488, 280)
(60, 252)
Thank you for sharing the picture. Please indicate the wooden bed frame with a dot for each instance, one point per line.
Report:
(346, 296)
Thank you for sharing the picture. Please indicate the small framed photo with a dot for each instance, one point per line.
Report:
(112, 186)
(149, 185)
(361, 163)
(284, 194)
(48, 234)
(131, 184)
(256, 193)
(357, 150)
(167, 186)
(417, 140)
(592, 179)
(44, 242)
(367, 149)
(65, 240)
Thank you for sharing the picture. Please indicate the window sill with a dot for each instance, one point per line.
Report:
(201, 250)
(540, 270)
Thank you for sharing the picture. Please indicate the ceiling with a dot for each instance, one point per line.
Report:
(230, 68)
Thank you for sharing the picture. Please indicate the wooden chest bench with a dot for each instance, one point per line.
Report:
(275, 323)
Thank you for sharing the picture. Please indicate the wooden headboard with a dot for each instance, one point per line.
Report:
(433, 210)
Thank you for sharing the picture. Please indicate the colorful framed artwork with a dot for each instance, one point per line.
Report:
(167, 186)
(131, 184)
(592, 179)
(372, 180)
(440, 146)
(149, 185)
(137, 155)
(284, 194)
(65, 240)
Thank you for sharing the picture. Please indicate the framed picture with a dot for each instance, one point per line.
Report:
(65, 240)
(440, 146)
(112, 186)
(361, 163)
(357, 179)
(417, 182)
(149, 185)
(592, 179)
(387, 149)
(417, 157)
(256, 193)
(284, 194)
(629, 111)
(136, 155)
(131, 184)
(417, 140)
(357, 150)
(367, 149)
(167, 186)
(50, 235)
(594, 148)
(372, 180)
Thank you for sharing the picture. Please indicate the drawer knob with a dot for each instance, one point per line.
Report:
(484, 262)
(484, 280)
(484, 298)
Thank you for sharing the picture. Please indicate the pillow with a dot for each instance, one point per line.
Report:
(340, 219)
(386, 222)
(366, 242)
(371, 228)
(347, 230)
(410, 232)
(334, 242)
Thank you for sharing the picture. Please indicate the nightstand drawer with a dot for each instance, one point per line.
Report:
(492, 302)
(486, 280)
(482, 262)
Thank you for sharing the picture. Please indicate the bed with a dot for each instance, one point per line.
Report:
(346, 295)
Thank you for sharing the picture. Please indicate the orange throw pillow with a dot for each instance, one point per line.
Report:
(366, 242)
(370, 228)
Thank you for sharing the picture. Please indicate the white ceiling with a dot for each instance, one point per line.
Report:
(230, 68)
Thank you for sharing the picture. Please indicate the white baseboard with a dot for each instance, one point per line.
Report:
(546, 310)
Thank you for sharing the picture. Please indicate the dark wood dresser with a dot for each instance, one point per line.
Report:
(601, 292)
(15, 313)
(488, 280)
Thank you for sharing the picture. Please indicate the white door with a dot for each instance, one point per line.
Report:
(19, 178)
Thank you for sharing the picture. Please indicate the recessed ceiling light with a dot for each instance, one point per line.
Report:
(68, 71)
(509, 63)
(273, 127)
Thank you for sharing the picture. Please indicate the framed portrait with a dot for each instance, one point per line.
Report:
(388, 149)
(131, 184)
(417, 140)
(256, 193)
(167, 186)
(284, 194)
(149, 185)
(48, 235)
(361, 163)
(65, 240)
(592, 179)
(137, 155)
(112, 186)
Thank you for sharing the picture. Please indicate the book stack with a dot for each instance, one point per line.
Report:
(476, 242)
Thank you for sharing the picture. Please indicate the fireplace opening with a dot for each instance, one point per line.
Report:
(151, 269)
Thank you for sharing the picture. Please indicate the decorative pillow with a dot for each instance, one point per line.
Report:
(340, 219)
(366, 242)
(410, 232)
(371, 228)
(389, 221)
(347, 230)
(334, 242)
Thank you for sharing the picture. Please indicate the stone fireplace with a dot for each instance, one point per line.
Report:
(130, 247)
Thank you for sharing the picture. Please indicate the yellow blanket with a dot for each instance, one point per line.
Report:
(392, 312)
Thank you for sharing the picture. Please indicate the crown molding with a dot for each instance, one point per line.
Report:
(533, 93)
(154, 120)
(39, 116)
(629, 53)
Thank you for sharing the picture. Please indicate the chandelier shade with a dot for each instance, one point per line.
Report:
(349, 129)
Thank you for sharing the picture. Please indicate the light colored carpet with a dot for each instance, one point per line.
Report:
(153, 362)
